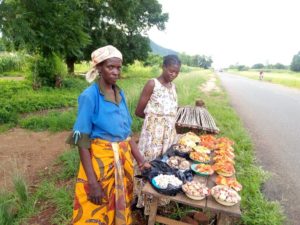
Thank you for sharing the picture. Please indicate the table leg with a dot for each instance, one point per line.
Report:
(153, 210)
(224, 219)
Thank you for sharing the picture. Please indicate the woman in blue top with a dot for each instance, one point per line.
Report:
(104, 185)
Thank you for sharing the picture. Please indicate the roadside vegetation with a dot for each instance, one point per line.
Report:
(12, 64)
(283, 77)
(55, 109)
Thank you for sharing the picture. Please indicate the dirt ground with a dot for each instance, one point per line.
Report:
(210, 86)
(26, 153)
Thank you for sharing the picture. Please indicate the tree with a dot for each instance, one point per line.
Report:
(44, 26)
(153, 60)
(74, 28)
(279, 66)
(196, 60)
(205, 61)
(2, 45)
(258, 66)
(295, 65)
(242, 68)
(122, 23)
(186, 59)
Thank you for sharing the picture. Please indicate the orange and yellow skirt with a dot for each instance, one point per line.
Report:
(113, 166)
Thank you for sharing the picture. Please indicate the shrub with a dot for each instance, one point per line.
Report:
(8, 116)
(10, 61)
(153, 60)
(47, 71)
(78, 83)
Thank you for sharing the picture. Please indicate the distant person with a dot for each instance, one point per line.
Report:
(158, 106)
(104, 185)
(261, 75)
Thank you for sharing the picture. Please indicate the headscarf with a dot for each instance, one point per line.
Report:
(98, 56)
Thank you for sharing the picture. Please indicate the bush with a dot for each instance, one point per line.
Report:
(47, 71)
(78, 83)
(12, 62)
(8, 116)
(153, 60)
(139, 71)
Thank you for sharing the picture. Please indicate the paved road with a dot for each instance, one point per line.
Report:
(271, 114)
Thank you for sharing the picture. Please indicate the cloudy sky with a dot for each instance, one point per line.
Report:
(232, 31)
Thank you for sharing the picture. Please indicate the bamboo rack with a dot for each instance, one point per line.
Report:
(196, 117)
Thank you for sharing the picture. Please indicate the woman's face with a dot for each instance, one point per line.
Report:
(110, 70)
(171, 72)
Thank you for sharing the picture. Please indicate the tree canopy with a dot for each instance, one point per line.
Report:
(258, 66)
(295, 65)
(74, 28)
(196, 60)
(44, 26)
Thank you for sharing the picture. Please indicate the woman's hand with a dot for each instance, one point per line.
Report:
(95, 194)
(147, 165)
(144, 165)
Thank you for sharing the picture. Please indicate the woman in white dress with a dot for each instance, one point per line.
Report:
(158, 106)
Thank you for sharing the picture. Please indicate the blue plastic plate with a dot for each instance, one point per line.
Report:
(155, 184)
(193, 167)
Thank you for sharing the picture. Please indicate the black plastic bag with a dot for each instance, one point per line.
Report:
(172, 151)
(160, 167)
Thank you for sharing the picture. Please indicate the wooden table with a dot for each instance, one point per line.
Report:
(225, 214)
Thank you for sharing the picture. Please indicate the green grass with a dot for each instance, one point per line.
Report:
(6, 209)
(20, 204)
(11, 62)
(17, 97)
(81, 68)
(188, 85)
(70, 162)
(17, 205)
(283, 77)
(6, 127)
(12, 74)
(52, 121)
(62, 198)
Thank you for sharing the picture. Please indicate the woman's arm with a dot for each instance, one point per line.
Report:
(142, 164)
(95, 189)
(144, 98)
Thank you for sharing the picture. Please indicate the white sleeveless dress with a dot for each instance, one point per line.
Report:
(158, 131)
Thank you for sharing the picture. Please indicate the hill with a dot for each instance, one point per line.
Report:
(159, 50)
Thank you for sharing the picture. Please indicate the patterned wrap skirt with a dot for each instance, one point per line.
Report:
(157, 135)
(113, 166)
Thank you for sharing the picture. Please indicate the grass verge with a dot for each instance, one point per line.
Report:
(282, 77)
